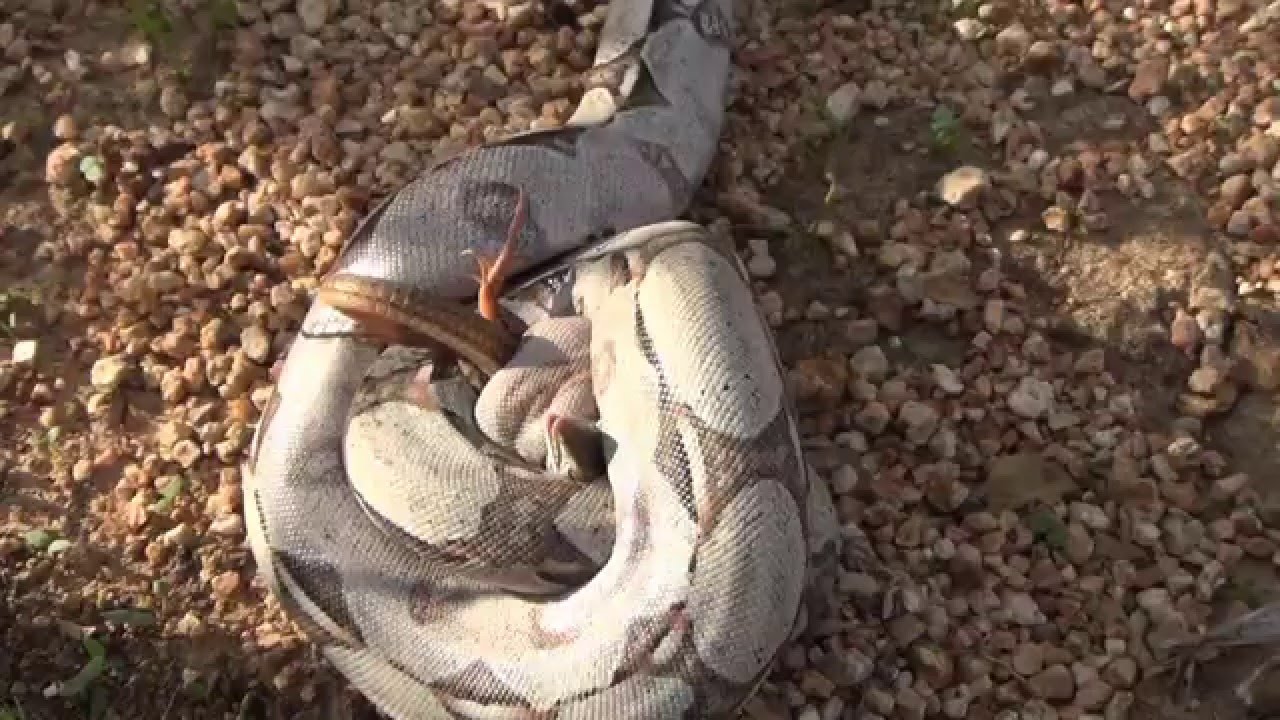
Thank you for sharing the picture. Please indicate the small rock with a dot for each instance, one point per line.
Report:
(762, 266)
(1261, 151)
(963, 186)
(1053, 683)
(945, 493)
(877, 94)
(225, 584)
(919, 420)
(993, 316)
(821, 378)
(1013, 40)
(1121, 672)
(1041, 57)
(909, 704)
(1080, 545)
(1267, 112)
(61, 166)
(230, 525)
(173, 102)
(182, 535)
(870, 364)
(136, 53)
(1229, 486)
(815, 684)
(1031, 398)
(1236, 189)
(1239, 224)
(190, 625)
(64, 128)
(946, 380)
(186, 453)
(874, 417)
(25, 352)
(1090, 362)
(1184, 332)
(956, 700)
(1056, 219)
(843, 104)
(1028, 659)
(861, 331)
(1205, 379)
(109, 372)
(1023, 609)
(1093, 694)
(1149, 78)
(905, 629)
(313, 13)
(878, 700)
(1118, 707)
(969, 28)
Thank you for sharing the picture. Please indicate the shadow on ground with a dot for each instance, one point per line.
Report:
(1113, 287)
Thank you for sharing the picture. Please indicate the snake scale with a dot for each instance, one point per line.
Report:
(617, 521)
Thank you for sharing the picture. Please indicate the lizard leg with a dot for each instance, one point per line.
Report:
(495, 268)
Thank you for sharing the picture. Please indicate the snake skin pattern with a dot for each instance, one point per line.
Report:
(427, 535)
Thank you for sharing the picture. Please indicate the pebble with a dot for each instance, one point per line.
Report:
(1149, 78)
(843, 104)
(1121, 672)
(181, 535)
(762, 266)
(110, 372)
(919, 420)
(1053, 683)
(25, 352)
(1013, 40)
(969, 28)
(869, 363)
(227, 525)
(1028, 659)
(314, 14)
(1023, 609)
(1093, 694)
(1031, 398)
(963, 186)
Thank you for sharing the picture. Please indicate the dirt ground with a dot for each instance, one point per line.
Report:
(165, 621)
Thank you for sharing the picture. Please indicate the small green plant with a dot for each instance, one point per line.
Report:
(944, 128)
(93, 669)
(92, 169)
(223, 13)
(168, 495)
(45, 541)
(11, 712)
(39, 539)
(1048, 529)
(150, 19)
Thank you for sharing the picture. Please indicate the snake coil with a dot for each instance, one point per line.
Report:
(412, 527)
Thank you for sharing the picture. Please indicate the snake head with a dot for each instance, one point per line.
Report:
(574, 448)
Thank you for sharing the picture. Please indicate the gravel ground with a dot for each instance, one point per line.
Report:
(1022, 259)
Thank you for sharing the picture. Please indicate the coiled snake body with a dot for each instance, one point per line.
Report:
(620, 522)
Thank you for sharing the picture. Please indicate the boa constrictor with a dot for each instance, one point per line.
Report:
(431, 539)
